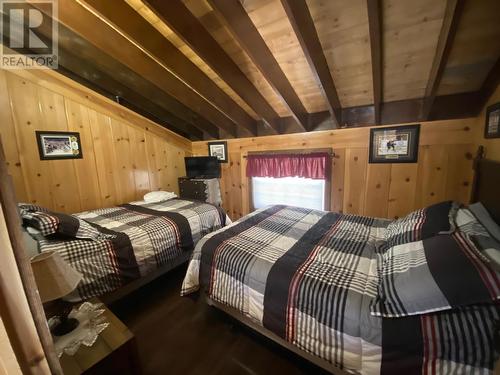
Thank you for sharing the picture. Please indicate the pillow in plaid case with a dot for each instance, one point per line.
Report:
(476, 224)
(50, 223)
(438, 273)
(422, 224)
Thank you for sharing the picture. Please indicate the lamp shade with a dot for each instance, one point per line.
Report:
(54, 277)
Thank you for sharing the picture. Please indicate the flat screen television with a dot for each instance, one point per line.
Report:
(202, 167)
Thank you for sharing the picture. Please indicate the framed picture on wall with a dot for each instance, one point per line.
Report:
(492, 126)
(219, 150)
(395, 144)
(53, 145)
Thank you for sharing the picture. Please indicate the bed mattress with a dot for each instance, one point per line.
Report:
(310, 277)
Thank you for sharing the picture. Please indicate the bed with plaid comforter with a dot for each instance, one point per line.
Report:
(113, 246)
(311, 276)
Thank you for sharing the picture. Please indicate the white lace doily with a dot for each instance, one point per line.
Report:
(91, 325)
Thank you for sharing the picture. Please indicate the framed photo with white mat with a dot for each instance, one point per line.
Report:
(219, 150)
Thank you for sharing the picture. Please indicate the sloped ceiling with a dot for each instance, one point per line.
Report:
(229, 68)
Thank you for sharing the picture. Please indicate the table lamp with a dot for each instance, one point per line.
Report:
(55, 279)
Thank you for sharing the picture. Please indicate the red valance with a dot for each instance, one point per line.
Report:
(314, 165)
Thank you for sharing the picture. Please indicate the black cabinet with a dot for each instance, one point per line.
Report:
(192, 189)
(200, 189)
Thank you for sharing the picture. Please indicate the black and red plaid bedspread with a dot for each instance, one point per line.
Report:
(121, 244)
(310, 277)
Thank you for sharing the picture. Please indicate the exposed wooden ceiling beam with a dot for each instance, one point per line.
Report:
(303, 25)
(447, 34)
(92, 56)
(81, 21)
(410, 110)
(94, 69)
(489, 86)
(375, 30)
(396, 112)
(108, 86)
(452, 106)
(178, 17)
(249, 38)
(142, 32)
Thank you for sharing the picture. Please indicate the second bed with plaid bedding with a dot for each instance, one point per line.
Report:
(113, 246)
(311, 277)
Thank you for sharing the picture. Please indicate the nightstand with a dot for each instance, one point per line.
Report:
(115, 351)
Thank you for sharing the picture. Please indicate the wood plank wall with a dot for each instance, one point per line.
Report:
(124, 154)
(443, 171)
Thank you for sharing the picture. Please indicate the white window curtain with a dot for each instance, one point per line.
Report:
(291, 191)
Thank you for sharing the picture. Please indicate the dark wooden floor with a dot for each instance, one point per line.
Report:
(181, 335)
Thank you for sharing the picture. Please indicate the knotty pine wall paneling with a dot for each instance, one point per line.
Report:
(401, 190)
(26, 120)
(124, 173)
(89, 192)
(124, 154)
(377, 190)
(443, 171)
(63, 181)
(154, 163)
(10, 146)
(356, 160)
(102, 139)
(337, 185)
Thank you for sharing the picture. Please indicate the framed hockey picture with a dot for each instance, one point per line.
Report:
(394, 144)
(54, 145)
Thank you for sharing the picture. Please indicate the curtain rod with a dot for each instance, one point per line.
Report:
(331, 154)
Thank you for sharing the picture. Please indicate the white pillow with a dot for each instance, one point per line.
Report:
(158, 196)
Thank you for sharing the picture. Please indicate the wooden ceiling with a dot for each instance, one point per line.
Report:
(229, 68)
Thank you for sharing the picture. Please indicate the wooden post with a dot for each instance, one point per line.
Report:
(20, 305)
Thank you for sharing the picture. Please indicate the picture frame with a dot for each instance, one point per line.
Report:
(55, 145)
(397, 144)
(492, 122)
(219, 150)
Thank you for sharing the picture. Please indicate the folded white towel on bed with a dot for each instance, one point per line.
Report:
(158, 196)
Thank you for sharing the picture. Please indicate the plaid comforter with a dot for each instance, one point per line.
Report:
(113, 246)
(310, 277)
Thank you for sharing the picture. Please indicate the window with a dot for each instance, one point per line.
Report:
(292, 178)
(292, 191)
